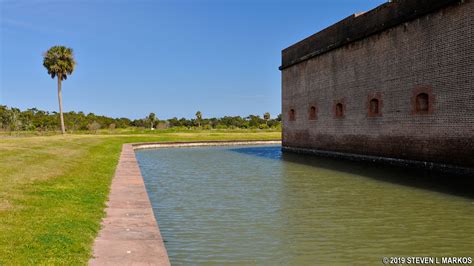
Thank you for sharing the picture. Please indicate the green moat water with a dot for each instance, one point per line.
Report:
(255, 205)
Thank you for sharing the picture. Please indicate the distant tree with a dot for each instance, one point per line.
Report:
(278, 118)
(59, 61)
(174, 122)
(213, 122)
(13, 120)
(266, 117)
(3, 116)
(26, 118)
(123, 122)
(152, 119)
(199, 118)
(254, 121)
(94, 126)
(162, 125)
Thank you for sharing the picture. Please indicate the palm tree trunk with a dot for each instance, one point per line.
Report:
(60, 98)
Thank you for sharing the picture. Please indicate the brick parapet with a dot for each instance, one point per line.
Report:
(360, 26)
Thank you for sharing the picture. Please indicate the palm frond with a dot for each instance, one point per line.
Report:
(59, 61)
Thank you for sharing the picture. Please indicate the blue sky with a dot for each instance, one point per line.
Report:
(168, 57)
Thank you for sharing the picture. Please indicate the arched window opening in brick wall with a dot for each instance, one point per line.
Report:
(292, 115)
(422, 102)
(339, 110)
(374, 108)
(312, 113)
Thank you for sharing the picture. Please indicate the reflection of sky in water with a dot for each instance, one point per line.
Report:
(255, 205)
(270, 152)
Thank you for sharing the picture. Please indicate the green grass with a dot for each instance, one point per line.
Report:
(54, 190)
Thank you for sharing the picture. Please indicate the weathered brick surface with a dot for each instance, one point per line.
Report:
(433, 54)
(129, 234)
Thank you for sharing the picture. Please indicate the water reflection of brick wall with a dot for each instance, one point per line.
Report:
(404, 91)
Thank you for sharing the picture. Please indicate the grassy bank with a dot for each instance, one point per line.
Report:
(54, 190)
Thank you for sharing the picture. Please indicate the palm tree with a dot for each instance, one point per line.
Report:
(152, 119)
(198, 118)
(59, 61)
(266, 116)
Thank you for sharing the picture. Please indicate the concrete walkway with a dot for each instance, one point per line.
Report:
(130, 233)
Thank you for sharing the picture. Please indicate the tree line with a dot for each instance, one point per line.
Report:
(14, 119)
(60, 63)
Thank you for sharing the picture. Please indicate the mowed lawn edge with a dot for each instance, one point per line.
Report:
(55, 221)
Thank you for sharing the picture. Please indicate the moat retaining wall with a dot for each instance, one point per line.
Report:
(399, 88)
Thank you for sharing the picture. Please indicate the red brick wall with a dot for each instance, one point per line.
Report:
(433, 54)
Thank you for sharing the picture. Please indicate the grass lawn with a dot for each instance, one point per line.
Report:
(54, 188)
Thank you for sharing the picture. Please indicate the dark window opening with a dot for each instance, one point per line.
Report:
(374, 106)
(292, 115)
(339, 110)
(312, 113)
(422, 102)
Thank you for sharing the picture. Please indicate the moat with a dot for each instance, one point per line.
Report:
(255, 205)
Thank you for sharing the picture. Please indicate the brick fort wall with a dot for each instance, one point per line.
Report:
(403, 91)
